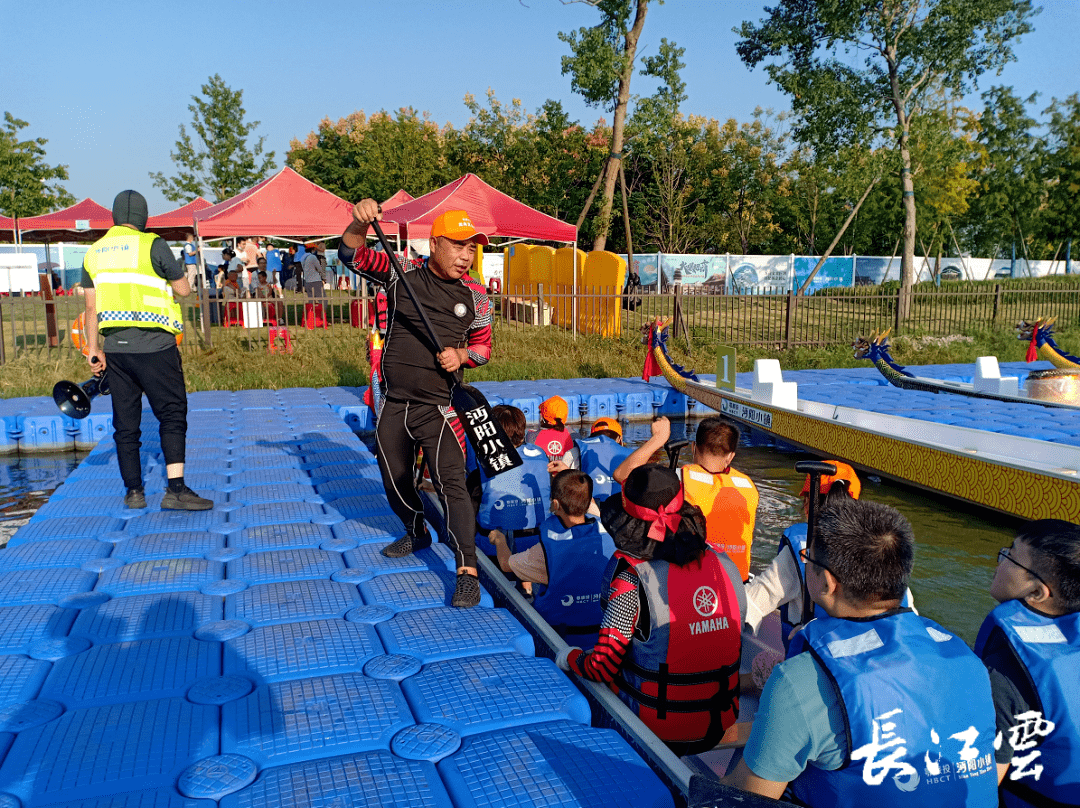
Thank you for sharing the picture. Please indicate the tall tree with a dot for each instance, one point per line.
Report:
(601, 67)
(855, 70)
(217, 163)
(25, 177)
(1062, 169)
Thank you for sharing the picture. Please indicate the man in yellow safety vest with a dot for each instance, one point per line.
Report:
(132, 320)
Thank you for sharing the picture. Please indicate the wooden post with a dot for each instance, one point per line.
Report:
(898, 319)
(45, 283)
(539, 304)
(997, 301)
(789, 324)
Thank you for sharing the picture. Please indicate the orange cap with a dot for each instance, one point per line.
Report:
(456, 225)
(554, 410)
(843, 472)
(609, 424)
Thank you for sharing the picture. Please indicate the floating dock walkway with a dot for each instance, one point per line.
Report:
(265, 653)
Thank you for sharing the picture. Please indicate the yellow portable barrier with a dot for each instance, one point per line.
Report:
(562, 279)
(600, 311)
(517, 281)
(540, 272)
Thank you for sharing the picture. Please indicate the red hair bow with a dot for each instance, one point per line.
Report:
(660, 520)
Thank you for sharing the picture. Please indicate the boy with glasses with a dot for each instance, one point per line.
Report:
(1031, 646)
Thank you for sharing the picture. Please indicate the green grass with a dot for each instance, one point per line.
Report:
(238, 361)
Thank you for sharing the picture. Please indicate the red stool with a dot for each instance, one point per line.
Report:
(314, 316)
(283, 332)
(234, 315)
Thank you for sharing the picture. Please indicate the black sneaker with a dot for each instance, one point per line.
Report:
(404, 546)
(186, 500)
(135, 498)
(466, 591)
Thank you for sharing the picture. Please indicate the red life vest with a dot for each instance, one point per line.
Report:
(555, 442)
(683, 679)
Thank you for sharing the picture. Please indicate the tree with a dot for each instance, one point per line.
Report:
(25, 176)
(1062, 169)
(856, 70)
(601, 67)
(218, 162)
(361, 156)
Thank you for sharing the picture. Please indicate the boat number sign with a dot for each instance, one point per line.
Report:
(751, 415)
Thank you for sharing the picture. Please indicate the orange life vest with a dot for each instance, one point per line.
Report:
(729, 502)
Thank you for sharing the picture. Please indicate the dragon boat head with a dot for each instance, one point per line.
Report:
(655, 337)
(874, 348)
(1038, 330)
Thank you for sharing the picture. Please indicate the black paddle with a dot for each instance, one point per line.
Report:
(494, 451)
(815, 468)
(673, 448)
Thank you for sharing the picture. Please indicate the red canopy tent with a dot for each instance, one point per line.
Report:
(285, 204)
(7, 229)
(174, 225)
(491, 211)
(83, 221)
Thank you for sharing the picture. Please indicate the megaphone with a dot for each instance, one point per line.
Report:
(74, 399)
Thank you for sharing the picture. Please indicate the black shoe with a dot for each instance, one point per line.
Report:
(135, 498)
(186, 500)
(466, 591)
(404, 546)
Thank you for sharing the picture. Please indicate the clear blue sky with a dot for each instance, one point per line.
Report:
(109, 83)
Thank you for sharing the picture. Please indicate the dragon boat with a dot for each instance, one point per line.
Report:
(1046, 388)
(1020, 476)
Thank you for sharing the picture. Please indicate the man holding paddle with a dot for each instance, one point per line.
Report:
(420, 378)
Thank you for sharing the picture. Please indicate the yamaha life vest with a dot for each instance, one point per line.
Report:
(600, 456)
(516, 500)
(919, 713)
(130, 294)
(556, 442)
(1049, 650)
(682, 676)
(792, 542)
(576, 559)
(729, 501)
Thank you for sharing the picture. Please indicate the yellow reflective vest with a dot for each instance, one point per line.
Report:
(130, 294)
(729, 502)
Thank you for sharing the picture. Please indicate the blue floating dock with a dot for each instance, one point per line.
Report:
(265, 651)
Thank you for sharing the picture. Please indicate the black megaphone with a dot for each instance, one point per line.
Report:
(74, 399)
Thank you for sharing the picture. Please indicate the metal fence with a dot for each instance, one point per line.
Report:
(34, 324)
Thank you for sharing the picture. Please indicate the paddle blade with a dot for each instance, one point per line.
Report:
(494, 451)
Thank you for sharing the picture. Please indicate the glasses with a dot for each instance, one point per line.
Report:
(1003, 553)
(806, 559)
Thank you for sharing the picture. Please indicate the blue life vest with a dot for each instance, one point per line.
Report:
(793, 541)
(1049, 650)
(919, 713)
(600, 456)
(576, 559)
(515, 500)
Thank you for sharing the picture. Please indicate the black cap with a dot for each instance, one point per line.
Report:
(129, 207)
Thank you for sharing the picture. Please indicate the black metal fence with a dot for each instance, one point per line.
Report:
(34, 324)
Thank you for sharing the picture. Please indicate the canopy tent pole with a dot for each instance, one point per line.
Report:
(200, 285)
(574, 313)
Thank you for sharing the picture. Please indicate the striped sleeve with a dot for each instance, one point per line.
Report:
(371, 264)
(602, 663)
(479, 342)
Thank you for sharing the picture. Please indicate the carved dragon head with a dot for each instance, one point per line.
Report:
(874, 348)
(1040, 329)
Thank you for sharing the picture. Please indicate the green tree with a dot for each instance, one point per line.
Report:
(1062, 169)
(855, 70)
(217, 162)
(601, 68)
(25, 177)
(360, 156)
(1010, 191)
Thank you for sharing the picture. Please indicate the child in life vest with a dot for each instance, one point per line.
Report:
(567, 566)
(554, 438)
(727, 497)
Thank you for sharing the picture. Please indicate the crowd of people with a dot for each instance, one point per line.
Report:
(644, 571)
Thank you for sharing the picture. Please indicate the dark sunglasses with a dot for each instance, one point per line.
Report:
(1003, 553)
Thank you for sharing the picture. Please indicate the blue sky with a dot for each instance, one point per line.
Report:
(109, 83)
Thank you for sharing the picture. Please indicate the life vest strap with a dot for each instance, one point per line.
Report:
(723, 699)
